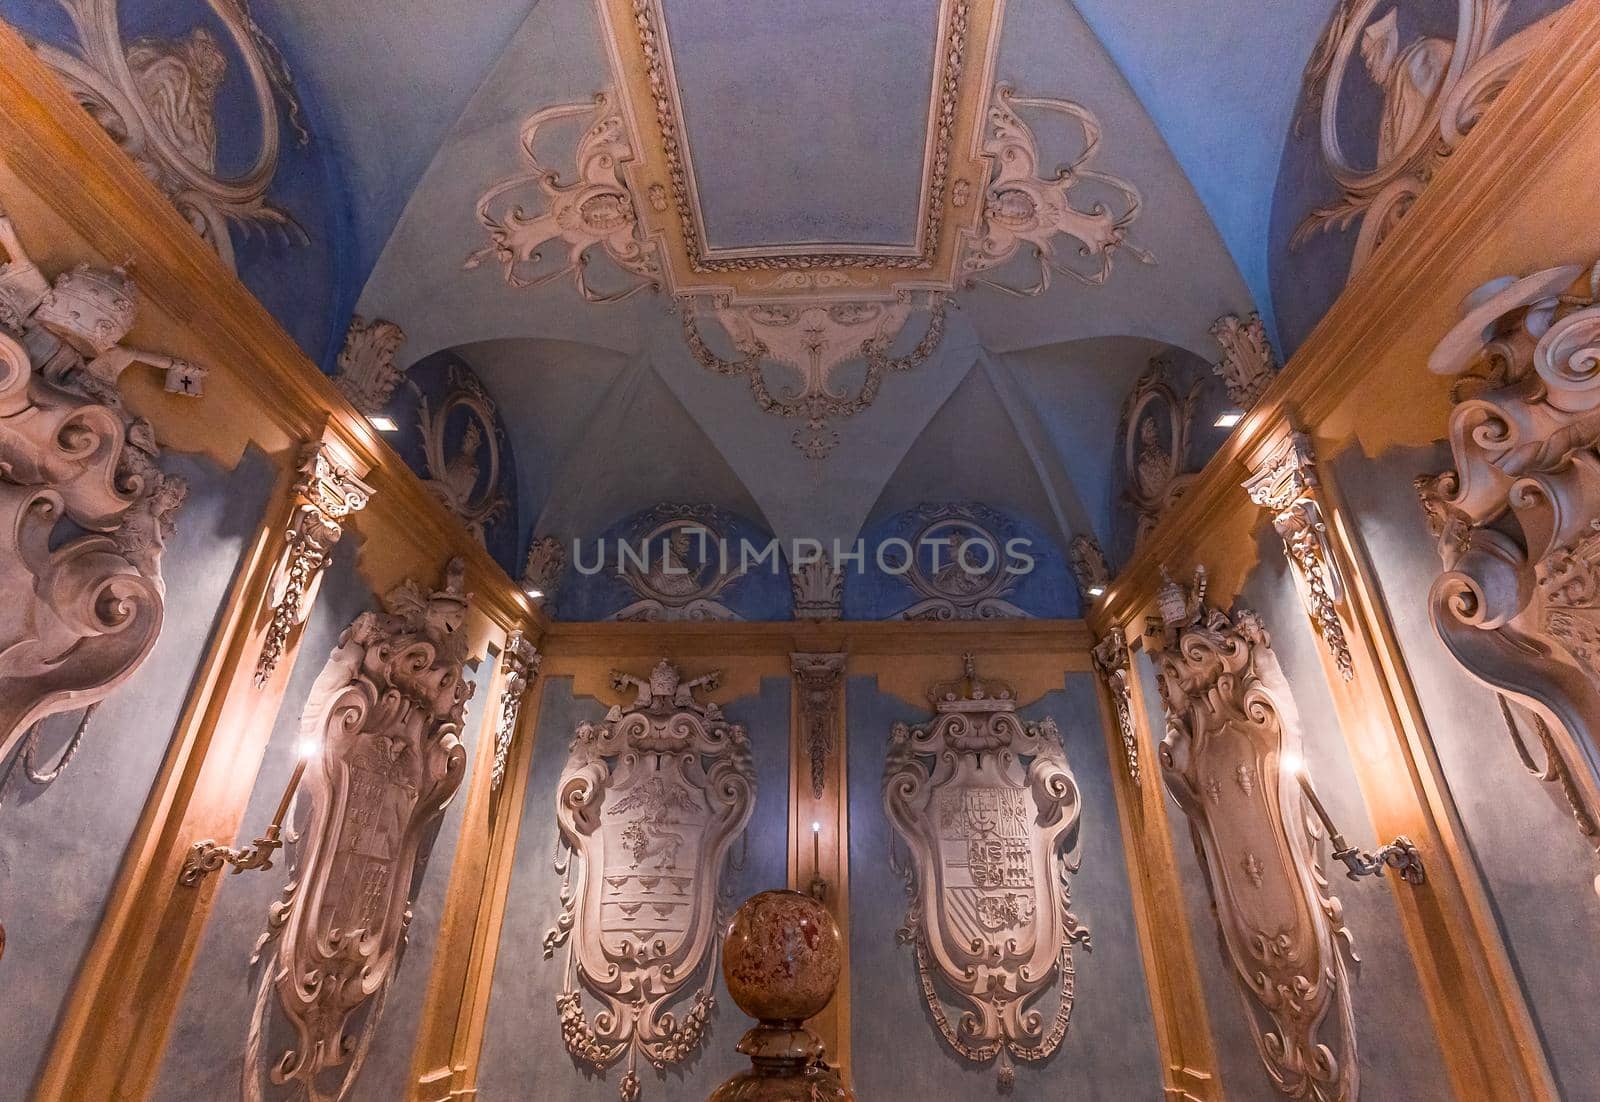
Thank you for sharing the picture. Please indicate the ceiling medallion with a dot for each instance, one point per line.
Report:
(811, 309)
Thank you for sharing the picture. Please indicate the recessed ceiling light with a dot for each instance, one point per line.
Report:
(1229, 418)
(383, 424)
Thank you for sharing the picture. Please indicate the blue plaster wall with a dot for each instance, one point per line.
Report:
(897, 1053)
(430, 378)
(309, 284)
(763, 593)
(1536, 866)
(873, 593)
(61, 847)
(523, 1056)
(1307, 279)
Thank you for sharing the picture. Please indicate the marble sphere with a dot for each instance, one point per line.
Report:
(781, 956)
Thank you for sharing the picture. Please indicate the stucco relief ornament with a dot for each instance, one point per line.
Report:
(1157, 421)
(1023, 207)
(1518, 602)
(1089, 567)
(1248, 365)
(818, 588)
(534, 210)
(542, 569)
(157, 97)
(819, 679)
(468, 488)
(813, 340)
(520, 665)
(85, 511)
(386, 713)
(1115, 664)
(989, 808)
(1231, 721)
(675, 565)
(1433, 92)
(649, 805)
(367, 375)
(958, 566)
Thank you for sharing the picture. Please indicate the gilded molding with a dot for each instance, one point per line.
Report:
(1114, 663)
(157, 98)
(993, 843)
(649, 805)
(1231, 722)
(385, 715)
(819, 679)
(1248, 364)
(520, 665)
(1285, 484)
(327, 492)
(85, 510)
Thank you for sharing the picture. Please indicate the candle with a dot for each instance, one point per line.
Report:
(816, 847)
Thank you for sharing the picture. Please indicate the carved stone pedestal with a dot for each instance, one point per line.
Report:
(781, 960)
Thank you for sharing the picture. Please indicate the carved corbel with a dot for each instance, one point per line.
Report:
(818, 590)
(367, 375)
(1515, 519)
(819, 678)
(1286, 485)
(327, 492)
(1089, 567)
(1112, 660)
(520, 663)
(1248, 365)
(1232, 730)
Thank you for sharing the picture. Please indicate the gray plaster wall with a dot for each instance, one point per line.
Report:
(896, 1050)
(523, 1058)
(61, 846)
(1537, 867)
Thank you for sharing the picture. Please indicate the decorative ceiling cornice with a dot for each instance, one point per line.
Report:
(968, 35)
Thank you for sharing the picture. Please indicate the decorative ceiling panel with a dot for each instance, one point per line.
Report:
(807, 125)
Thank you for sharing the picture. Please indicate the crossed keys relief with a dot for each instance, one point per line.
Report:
(649, 804)
(989, 808)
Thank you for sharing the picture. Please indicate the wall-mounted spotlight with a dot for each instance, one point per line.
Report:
(1228, 418)
(818, 888)
(1097, 591)
(1401, 855)
(534, 593)
(382, 423)
(207, 857)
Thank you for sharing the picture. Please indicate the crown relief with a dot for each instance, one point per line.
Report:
(791, 319)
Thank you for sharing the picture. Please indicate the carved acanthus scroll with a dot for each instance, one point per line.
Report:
(1089, 567)
(85, 511)
(328, 492)
(1231, 722)
(649, 805)
(818, 587)
(520, 664)
(1518, 603)
(367, 375)
(1115, 664)
(989, 808)
(386, 714)
(1248, 365)
(1286, 485)
(819, 679)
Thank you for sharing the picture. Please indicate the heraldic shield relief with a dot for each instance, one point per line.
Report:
(649, 804)
(1231, 721)
(989, 809)
(385, 717)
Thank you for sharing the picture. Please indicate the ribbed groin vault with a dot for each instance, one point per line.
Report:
(1099, 497)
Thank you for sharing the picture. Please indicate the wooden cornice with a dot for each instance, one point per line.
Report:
(1553, 95)
(54, 146)
(858, 637)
